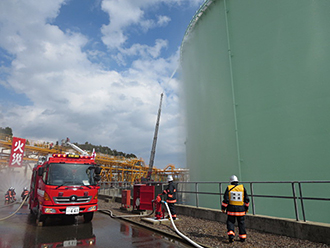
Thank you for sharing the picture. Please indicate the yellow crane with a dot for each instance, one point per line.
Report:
(114, 168)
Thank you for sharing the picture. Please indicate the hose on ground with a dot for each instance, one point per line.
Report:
(16, 210)
(176, 229)
(7, 205)
(109, 212)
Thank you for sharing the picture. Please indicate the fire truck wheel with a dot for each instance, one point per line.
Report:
(40, 218)
(88, 217)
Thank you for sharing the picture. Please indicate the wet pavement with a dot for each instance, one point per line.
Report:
(21, 231)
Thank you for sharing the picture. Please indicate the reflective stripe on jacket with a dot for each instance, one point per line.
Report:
(25, 193)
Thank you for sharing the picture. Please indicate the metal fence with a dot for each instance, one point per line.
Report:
(295, 194)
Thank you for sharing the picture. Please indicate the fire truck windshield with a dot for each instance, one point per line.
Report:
(70, 174)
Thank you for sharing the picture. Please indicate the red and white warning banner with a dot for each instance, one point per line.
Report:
(17, 152)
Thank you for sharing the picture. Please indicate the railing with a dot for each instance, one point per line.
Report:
(295, 192)
(294, 196)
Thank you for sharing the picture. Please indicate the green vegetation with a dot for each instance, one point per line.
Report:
(6, 131)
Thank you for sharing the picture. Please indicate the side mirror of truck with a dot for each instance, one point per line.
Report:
(40, 171)
(98, 170)
(97, 176)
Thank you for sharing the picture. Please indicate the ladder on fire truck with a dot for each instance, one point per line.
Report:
(77, 148)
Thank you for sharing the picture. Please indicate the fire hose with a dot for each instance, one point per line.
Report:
(16, 209)
(176, 229)
(109, 212)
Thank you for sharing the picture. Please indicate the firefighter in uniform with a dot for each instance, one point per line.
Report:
(13, 193)
(10, 195)
(170, 192)
(25, 193)
(235, 203)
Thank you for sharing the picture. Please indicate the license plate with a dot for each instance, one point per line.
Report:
(70, 243)
(72, 210)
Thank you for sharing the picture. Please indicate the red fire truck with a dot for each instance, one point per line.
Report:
(64, 184)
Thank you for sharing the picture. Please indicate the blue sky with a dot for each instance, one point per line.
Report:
(93, 70)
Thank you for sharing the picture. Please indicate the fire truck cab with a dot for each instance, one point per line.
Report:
(64, 184)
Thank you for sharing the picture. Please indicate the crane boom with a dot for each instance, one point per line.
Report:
(78, 149)
(153, 150)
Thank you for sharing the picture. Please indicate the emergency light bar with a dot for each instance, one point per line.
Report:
(70, 156)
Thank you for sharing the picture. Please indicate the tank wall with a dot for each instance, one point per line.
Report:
(278, 91)
(281, 86)
(210, 120)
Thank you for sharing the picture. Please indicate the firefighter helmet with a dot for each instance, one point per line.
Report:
(169, 178)
(233, 178)
(25, 188)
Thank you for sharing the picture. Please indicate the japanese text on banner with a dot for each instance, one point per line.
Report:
(17, 152)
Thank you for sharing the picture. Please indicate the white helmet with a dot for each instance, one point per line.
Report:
(233, 178)
(169, 178)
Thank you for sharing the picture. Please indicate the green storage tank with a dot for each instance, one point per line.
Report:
(257, 94)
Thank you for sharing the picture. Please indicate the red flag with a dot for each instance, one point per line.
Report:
(17, 152)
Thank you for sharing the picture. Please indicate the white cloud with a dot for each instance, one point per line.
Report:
(145, 51)
(122, 14)
(21, 17)
(71, 96)
(163, 20)
(126, 13)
